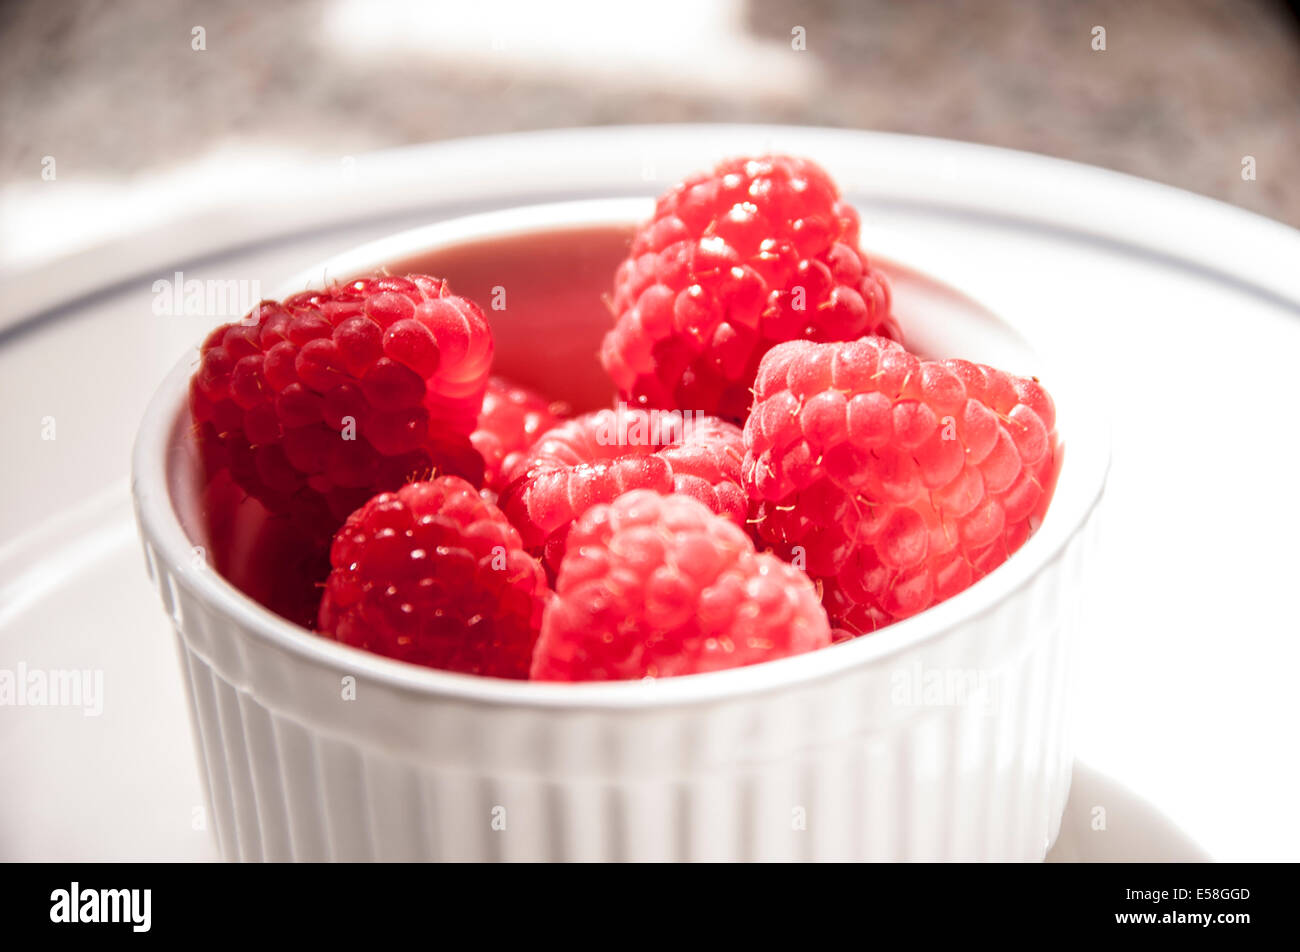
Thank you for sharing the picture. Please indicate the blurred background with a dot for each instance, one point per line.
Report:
(143, 106)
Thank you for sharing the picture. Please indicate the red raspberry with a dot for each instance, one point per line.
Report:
(895, 481)
(736, 260)
(333, 395)
(434, 575)
(510, 422)
(655, 586)
(599, 456)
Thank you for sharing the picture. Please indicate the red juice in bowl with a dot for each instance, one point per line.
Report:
(551, 288)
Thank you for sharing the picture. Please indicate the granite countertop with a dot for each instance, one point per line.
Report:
(1181, 94)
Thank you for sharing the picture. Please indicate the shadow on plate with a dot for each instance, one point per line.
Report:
(1104, 822)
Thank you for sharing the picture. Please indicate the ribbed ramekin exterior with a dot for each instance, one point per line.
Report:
(878, 761)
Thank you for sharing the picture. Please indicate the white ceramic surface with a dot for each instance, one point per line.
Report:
(846, 753)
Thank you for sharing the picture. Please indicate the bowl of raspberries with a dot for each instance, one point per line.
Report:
(618, 529)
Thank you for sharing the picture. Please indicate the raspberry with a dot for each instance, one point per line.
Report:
(656, 586)
(434, 575)
(510, 422)
(736, 260)
(895, 481)
(599, 456)
(333, 395)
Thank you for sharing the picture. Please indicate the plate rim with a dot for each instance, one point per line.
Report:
(1016, 187)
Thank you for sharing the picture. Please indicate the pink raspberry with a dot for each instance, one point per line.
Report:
(599, 456)
(894, 481)
(657, 586)
(758, 251)
(510, 422)
(320, 401)
(434, 575)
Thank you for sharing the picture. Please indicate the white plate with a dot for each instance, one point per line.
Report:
(1189, 309)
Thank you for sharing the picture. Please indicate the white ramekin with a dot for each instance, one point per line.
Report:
(944, 737)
